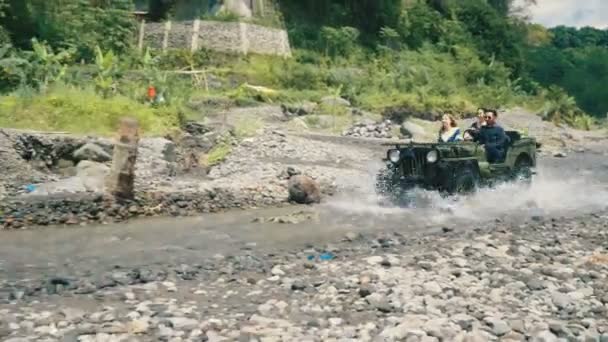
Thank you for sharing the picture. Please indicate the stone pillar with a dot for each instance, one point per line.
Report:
(142, 33)
(166, 34)
(195, 34)
(120, 180)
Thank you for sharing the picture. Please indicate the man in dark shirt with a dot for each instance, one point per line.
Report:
(493, 138)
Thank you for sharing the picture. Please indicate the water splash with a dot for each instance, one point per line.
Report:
(553, 192)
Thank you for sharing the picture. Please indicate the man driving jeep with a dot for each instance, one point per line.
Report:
(493, 138)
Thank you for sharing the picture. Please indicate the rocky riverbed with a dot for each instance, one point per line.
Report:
(55, 178)
(545, 280)
(509, 264)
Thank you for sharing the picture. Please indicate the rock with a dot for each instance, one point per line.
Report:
(544, 336)
(379, 302)
(432, 288)
(535, 284)
(464, 321)
(560, 154)
(183, 323)
(335, 101)
(89, 169)
(298, 285)
(303, 190)
(370, 129)
(300, 109)
(498, 326)
(138, 326)
(560, 300)
(92, 152)
(277, 271)
(473, 336)
(375, 260)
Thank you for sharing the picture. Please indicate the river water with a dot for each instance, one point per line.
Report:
(563, 187)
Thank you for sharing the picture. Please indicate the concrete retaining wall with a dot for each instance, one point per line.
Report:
(214, 35)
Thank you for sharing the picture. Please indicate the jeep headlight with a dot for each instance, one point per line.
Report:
(432, 156)
(394, 156)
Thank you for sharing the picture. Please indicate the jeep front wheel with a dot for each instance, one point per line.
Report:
(466, 181)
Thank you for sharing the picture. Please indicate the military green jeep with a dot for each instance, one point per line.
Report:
(453, 168)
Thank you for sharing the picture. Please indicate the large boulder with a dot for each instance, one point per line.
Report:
(92, 175)
(335, 101)
(298, 109)
(303, 190)
(92, 152)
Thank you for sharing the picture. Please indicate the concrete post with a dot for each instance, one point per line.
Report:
(166, 34)
(142, 33)
(195, 33)
(120, 180)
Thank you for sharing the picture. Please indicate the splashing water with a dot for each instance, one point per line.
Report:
(553, 192)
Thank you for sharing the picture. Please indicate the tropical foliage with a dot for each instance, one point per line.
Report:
(406, 56)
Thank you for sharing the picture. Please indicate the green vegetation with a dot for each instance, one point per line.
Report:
(393, 57)
(81, 110)
(217, 154)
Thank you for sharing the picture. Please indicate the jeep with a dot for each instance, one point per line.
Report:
(453, 168)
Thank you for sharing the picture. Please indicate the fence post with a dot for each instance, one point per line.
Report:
(195, 31)
(121, 179)
(166, 36)
(243, 37)
(142, 29)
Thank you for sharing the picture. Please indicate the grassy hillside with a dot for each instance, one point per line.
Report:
(392, 57)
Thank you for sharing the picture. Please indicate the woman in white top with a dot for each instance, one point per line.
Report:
(449, 131)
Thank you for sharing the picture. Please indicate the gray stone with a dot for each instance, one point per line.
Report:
(498, 326)
(544, 336)
(463, 320)
(560, 300)
(591, 336)
(432, 288)
(92, 152)
(474, 336)
(304, 190)
(183, 323)
(335, 101)
(379, 302)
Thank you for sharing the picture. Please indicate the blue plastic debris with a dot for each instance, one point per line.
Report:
(326, 256)
(322, 257)
(30, 188)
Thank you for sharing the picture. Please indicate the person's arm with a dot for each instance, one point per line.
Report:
(479, 137)
(458, 136)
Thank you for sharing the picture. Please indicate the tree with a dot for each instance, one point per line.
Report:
(78, 24)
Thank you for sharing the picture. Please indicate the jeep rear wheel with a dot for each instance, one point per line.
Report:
(522, 170)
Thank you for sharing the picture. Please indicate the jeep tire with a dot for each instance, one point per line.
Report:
(465, 181)
(522, 171)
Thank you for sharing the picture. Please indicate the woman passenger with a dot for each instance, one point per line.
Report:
(449, 131)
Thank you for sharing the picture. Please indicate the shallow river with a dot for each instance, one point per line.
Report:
(563, 187)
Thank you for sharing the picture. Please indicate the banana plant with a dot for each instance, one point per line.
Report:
(12, 66)
(46, 65)
(105, 80)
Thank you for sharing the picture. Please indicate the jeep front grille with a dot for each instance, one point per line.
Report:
(414, 163)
